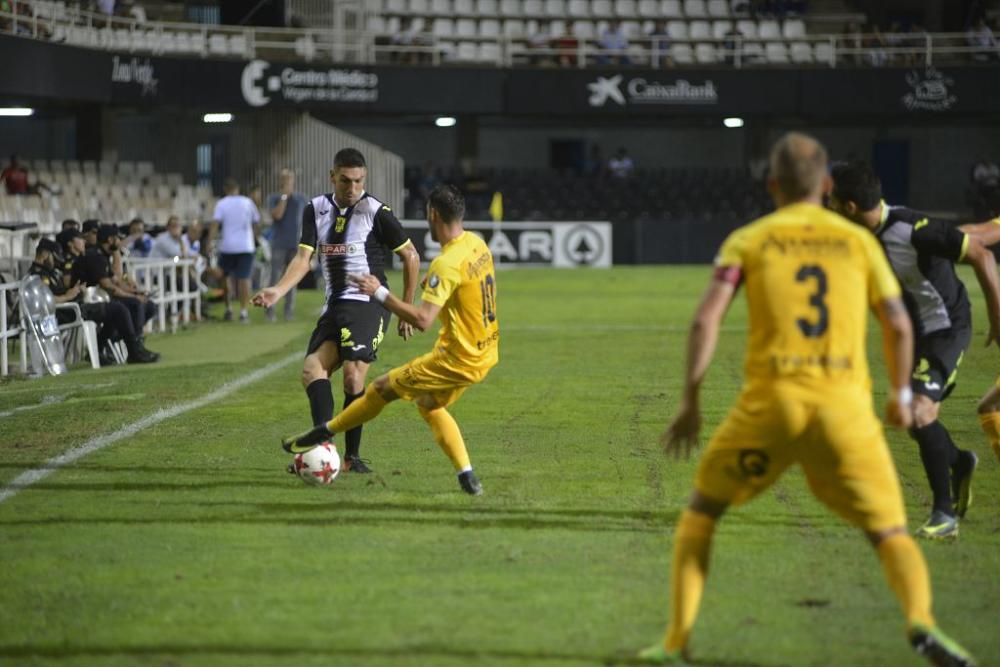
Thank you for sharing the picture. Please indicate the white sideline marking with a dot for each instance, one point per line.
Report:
(26, 479)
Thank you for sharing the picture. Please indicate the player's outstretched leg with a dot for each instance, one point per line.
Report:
(449, 439)
(360, 411)
(692, 548)
(939, 649)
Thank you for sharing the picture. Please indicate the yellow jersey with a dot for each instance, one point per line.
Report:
(462, 281)
(810, 277)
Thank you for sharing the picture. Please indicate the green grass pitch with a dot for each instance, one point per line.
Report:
(187, 543)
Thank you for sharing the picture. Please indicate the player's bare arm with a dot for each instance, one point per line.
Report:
(897, 346)
(681, 436)
(988, 233)
(411, 273)
(421, 317)
(984, 264)
(296, 271)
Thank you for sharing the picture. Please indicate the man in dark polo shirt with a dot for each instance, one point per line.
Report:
(93, 268)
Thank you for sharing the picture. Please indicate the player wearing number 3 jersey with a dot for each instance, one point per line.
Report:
(460, 290)
(810, 277)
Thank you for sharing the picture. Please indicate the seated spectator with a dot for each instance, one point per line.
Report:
(169, 243)
(90, 228)
(137, 243)
(614, 45)
(540, 41)
(404, 39)
(732, 45)
(621, 165)
(980, 36)
(70, 223)
(874, 43)
(659, 43)
(15, 179)
(112, 317)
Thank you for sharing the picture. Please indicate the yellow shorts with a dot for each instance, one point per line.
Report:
(432, 374)
(833, 435)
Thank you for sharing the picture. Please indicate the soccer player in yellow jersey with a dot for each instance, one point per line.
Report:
(810, 277)
(460, 290)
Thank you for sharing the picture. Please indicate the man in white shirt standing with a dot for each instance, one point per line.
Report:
(238, 221)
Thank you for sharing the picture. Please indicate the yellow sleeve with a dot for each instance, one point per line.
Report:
(442, 279)
(731, 253)
(882, 283)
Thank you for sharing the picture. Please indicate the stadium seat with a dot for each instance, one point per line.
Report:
(682, 54)
(464, 28)
(557, 27)
(700, 30)
(420, 6)
(578, 8)
(753, 52)
(511, 8)
(443, 27)
(218, 45)
(555, 8)
(677, 29)
(706, 54)
(748, 28)
(671, 9)
(695, 9)
(441, 7)
(534, 8)
(467, 52)
(801, 52)
(823, 53)
(769, 29)
(740, 7)
(513, 28)
(776, 52)
(602, 9)
(393, 24)
(395, 6)
(720, 28)
(649, 9)
(718, 9)
(489, 53)
(305, 47)
(168, 42)
(631, 29)
(376, 24)
(626, 9)
(583, 29)
(794, 29)
(489, 28)
(483, 7)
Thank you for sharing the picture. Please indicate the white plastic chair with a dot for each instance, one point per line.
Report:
(512, 8)
(682, 54)
(706, 54)
(769, 29)
(579, 8)
(794, 29)
(718, 9)
(626, 9)
(489, 28)
(777, 53)
(649, 9)
(700, 30)
(695, 9)
(671, 9)
(677, 29)
(801, 53)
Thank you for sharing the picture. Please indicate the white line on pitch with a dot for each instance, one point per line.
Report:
(570, 328)
(27, 478)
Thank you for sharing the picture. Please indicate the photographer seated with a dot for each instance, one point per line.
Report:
(67, 285)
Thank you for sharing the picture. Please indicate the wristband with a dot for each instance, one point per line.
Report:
(381, 294)
(904, 396)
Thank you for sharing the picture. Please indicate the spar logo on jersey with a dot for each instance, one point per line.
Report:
(340, 249)
(639, 90)
(930, 91)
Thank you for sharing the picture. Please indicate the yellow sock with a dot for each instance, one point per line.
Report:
(906, 571)
(692, 545)
(990, 421)
(360, 411)
(447, 435)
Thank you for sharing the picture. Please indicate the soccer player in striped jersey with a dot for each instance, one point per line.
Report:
(810, 278)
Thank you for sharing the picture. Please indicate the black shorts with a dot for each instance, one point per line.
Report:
(357, 327)
(936, 359)
(237, 265)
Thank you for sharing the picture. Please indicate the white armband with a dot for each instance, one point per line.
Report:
(382, 293)
(904, 395)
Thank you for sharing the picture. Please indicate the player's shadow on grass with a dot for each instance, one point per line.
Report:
(333, 651)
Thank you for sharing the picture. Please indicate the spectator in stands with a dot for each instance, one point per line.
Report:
(732, 45)
(406, 38)
(540, 42)
(980, 36)
(137, 243)
(101, 266)
(287, 207)
(169, 243)
(15, 179)
(898, 38)
(90, 228)
(659, 42)
(239, 222)
(621, 165)
(875, 54)
(115, 319)
(613, 44)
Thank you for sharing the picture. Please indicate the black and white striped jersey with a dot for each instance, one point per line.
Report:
(358, 239)
(923, 253)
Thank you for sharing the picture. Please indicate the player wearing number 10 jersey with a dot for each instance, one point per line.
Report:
(460, 290)
(810, 278)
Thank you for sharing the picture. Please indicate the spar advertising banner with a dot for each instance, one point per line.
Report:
(567, 245)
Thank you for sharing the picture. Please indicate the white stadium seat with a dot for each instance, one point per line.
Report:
(720, 28)
(748, 28)
(489, 52)
(465, 7)
(602, 8)
(513, 28)
(626, 9)
(443, 27)
(776, 52)
(483, 7)
(801, 52)
(395, 7)
(441, 7)
(578, 8)
(555, 8)
(700, 30)
(695, 9)
(534, 8)
(671, 9)
(677, 29)
(489, 28)
(769, 29)
(823, 53)
(794, 29)
(465, 28)
(583, 29)
(511, 8)
(467, 51)
(682, 54)
(649, 9)
(419, 6)
(706, 54)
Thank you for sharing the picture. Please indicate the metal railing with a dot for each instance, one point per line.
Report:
(9, 333)
(171, 282)
(55, 22)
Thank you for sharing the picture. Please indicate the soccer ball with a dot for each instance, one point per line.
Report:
(319, 466)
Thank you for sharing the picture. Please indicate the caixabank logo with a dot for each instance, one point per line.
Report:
(261, 85)
(640, 90)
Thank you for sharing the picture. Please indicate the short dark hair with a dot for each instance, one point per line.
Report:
(230, 185)
(448, 201)
(70, 223)
(349, 157)
(856, 182)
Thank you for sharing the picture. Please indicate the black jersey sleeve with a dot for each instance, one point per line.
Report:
(388, 229)
(308, 237)
(939, 239)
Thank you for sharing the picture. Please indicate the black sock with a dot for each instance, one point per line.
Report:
(937, 451)
(352, 438)
(320, 401)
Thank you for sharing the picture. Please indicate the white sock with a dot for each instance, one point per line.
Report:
(465, 469)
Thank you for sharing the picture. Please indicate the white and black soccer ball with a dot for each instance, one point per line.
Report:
(319, 466)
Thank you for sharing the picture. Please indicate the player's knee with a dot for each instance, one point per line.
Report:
(312, 370)
(384, 388)
(925, 411)
(876, 536)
